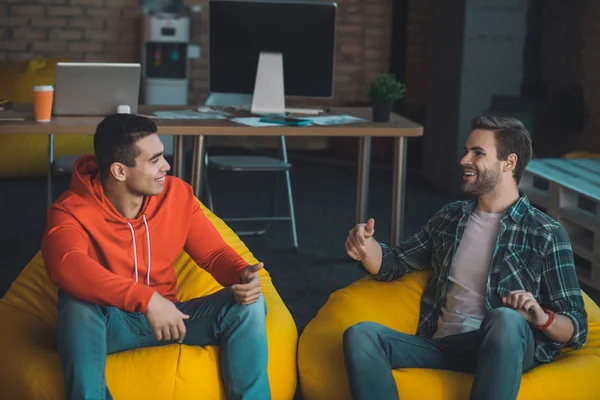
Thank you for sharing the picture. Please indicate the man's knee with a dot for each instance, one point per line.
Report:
(504, 318)
(360, 335)
(74, 309)
(258, 309)
(504, 326)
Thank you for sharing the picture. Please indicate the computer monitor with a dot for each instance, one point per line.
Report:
(95, 89)
(301, 32)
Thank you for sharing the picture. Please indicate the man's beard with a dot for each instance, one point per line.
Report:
(484, 183)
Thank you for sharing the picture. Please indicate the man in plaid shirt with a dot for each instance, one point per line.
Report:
(504, 296)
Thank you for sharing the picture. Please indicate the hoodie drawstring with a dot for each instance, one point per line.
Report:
(135, 261)
(149, 256)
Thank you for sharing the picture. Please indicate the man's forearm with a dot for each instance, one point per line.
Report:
(561, 329)
(373, 262)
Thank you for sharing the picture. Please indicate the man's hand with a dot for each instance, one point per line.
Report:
(527, 306)
(248, 291)
(356, 242)
(165, 319)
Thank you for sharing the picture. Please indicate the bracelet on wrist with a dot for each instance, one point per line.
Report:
(549, 321)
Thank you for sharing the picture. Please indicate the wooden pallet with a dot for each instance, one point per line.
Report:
(568, 190)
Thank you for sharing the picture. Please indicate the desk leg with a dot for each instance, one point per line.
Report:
(398, 189)
(362, 186)
(178, 156)
(50, 165)
(198, 165)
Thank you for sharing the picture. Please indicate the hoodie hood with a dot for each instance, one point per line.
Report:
(86, 182)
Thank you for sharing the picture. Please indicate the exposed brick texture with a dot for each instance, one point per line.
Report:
(417, 52)
(590, 71)
(92, 30)
(571, 77)
(109, 30)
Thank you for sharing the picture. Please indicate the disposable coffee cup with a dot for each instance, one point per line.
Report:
(42, 102)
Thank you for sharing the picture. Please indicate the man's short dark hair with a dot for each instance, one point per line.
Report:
(116, 137)
(511, 137)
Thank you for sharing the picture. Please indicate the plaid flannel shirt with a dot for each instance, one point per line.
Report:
(533, 253)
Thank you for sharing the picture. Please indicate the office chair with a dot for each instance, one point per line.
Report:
(253, 163)
(59, 166)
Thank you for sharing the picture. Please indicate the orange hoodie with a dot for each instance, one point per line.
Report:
(97, 255)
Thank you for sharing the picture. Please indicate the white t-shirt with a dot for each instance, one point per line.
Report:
(464, 306)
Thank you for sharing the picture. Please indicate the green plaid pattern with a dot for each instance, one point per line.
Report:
(533, 253)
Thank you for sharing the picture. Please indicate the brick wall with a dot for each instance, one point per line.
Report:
(561, 44)
(571, 77)
(560, 55)
(90, 30)
(590, 71)
(362, 49)
(417, 42)
(109, 30)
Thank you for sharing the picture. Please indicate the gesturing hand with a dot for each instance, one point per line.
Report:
(357, 240)
(248, 291)
(524, 302)
(165, 319)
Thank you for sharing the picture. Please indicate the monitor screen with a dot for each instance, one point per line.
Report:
(304, 32)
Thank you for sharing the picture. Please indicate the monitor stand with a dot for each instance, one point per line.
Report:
(269, 94)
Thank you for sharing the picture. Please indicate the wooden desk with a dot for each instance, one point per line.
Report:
(398, 127)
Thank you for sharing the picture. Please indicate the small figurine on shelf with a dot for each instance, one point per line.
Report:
(384, 91)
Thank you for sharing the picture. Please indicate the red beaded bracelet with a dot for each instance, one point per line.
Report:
(550, 319)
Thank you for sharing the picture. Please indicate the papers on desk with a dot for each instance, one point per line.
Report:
(336, 119)
(189, 114)
(325, 120)
(211, 110)
(11, 115)
(253, 121)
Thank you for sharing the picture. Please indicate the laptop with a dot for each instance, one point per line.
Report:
(95, 89)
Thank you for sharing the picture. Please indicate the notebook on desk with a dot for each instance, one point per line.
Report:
(11, 115)
(244, 101)
(303, 111)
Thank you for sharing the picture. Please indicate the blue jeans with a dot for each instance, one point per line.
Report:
(497, 353)
(86, 333)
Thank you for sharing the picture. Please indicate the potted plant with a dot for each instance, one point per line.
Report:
(384, 91)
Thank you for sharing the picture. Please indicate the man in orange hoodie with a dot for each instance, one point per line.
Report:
(110, 244)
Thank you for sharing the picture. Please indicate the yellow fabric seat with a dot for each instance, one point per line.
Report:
(30, 367)
(26, 156)
(572, 375)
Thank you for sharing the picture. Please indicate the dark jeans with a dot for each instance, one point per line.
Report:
(86, 333)
(497, 353)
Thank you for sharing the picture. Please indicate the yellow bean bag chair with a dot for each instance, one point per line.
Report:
(26, 156)
(581, 154)
(573, 375)
(30, 368)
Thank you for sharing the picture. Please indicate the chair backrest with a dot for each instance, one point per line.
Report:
(254, 144)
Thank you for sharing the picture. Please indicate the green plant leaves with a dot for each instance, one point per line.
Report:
(386, 87)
